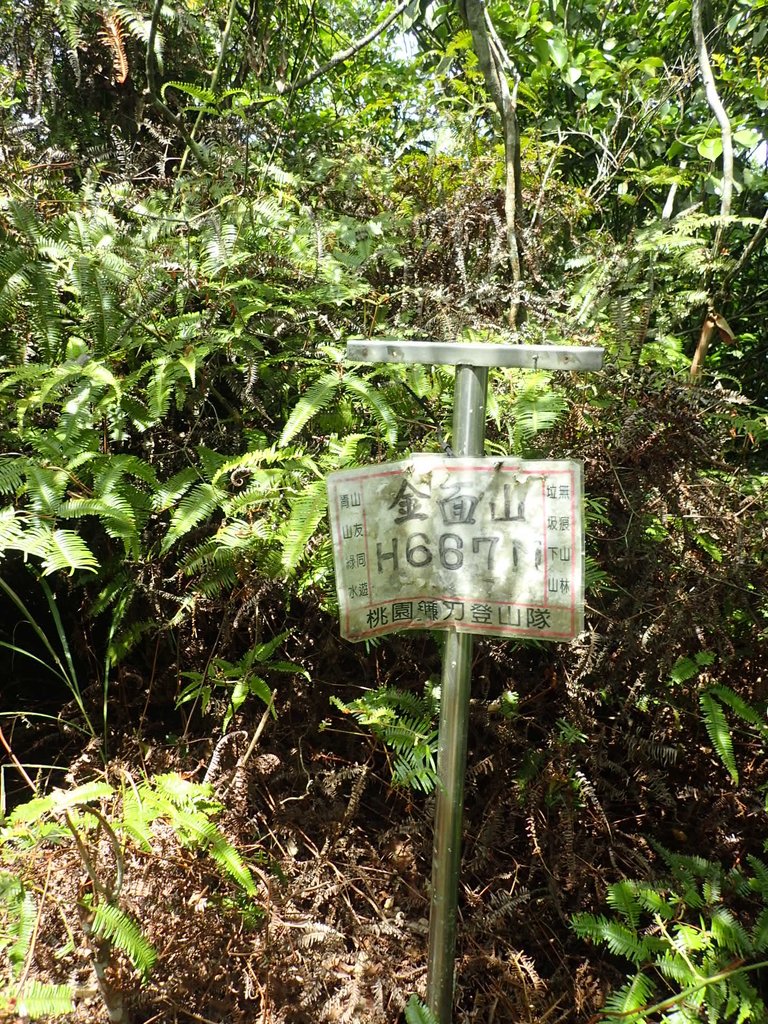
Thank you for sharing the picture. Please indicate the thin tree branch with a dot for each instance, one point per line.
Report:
(493, 61)
(715, 103)
(344, 55)
(717, 108)
(151, 69)
(755, 240)
(17, 764)
(215, 78)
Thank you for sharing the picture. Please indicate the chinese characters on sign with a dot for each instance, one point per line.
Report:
(479, 545)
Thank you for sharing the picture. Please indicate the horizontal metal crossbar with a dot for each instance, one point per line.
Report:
(531, 357)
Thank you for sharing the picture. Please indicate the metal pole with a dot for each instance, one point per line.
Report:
(468, 439)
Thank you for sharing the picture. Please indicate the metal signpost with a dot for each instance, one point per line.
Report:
(472, 545)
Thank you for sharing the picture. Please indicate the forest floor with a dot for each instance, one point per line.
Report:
(342, 859)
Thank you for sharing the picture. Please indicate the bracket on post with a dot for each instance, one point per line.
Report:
(528, 357)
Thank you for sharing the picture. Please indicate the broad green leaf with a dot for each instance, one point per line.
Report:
(558, 51)
(747, 137)
(710, 148)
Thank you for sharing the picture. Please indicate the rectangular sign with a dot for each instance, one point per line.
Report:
(491, 546)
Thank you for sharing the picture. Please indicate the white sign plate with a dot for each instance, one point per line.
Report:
(490, 546)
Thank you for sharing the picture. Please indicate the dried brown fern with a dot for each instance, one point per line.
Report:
(112, 37)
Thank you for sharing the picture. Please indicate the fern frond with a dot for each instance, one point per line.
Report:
(168, 494)
(118, 928)
(537, 408)
(198, 504)
(306, 512)
(729, 933)
(41, 1000)
(621, 896)
(115, 512)
(164, 373)
(631, 997)
(417, 1013)
(13, 281)
(404, 722)
(655, 902)
(204, 96)
(188, 806)
(621, 941)
(112, 36)
(22, 914)
(370, 395)
(45, 488)
(183, 793)
(218, 250)
(747, 713)
(230, 861)
(759, 936)
(719, 732)
(264, 485)
(759, 882)
(63, 550)
(315, 400)
(137, 824)
(109, 471)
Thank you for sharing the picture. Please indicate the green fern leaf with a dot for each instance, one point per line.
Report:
(621, 897)
(536, 409)
(759, 883)
(188, 807)
(404, 722)
(631, 998)
(114, 925)
(65, 550)
(674, 967)
(306, 512)
(160, 386)
(759, 937)
(12, 472)
(170, 493)
(181, 792)
(230, 861)
(371, 397)
(203, 96)
(747, 713)
(116, 512)
(729, 933)
(40, 1000)
(59, 800)
(137, 818)
(197, 505)
(46, 488)
(22, 914)
(621, 941)
(417, 1013)
(719, 732)
(316, 399)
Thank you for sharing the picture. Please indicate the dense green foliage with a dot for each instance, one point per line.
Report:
(200, 204)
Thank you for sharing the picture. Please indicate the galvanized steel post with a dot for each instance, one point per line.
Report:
(468, 439)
